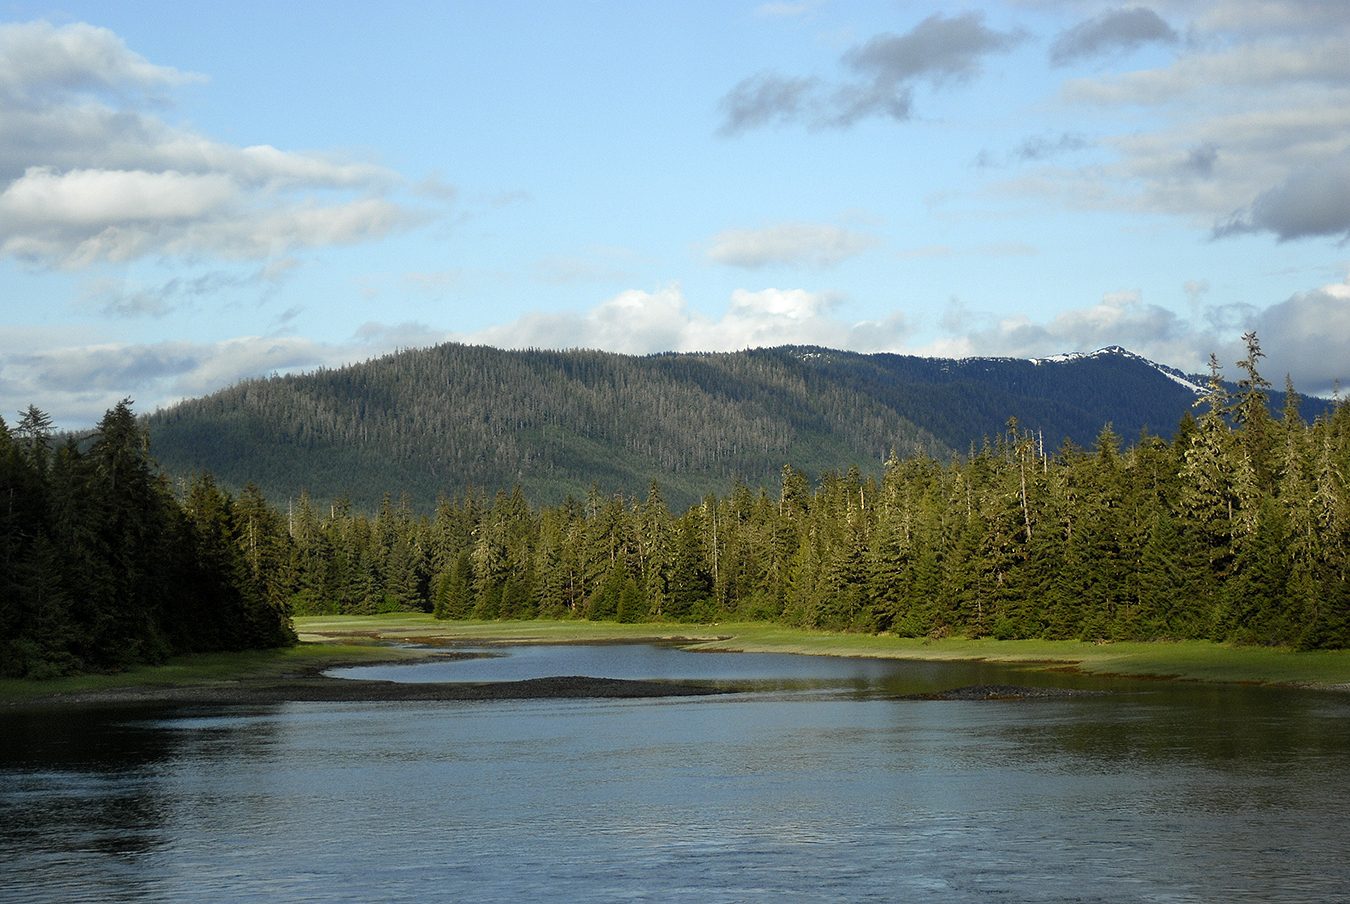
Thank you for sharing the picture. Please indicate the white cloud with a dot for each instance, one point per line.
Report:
(639, 323)
(1121, 318)
(89, 175)
(38, 60)
(790, 244)
(633, 322)
(1306, 336)
(82, 198)
(76, 376)
(1252, 66)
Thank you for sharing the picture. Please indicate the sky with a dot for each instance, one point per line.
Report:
(194, 195)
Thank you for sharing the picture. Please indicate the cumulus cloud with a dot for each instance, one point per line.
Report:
(1120, 318)
(77, 376)
(39, 61)
(1308, 338)
(90, 175)
(790, 244)
(1113, 31)
(638, 323)
(882, 74)
(632, 322)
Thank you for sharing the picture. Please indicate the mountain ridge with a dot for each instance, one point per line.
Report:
(433, 421)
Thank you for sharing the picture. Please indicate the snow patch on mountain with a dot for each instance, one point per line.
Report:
(1171, 373)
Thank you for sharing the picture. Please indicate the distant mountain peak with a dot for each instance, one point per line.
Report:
(1171, 373)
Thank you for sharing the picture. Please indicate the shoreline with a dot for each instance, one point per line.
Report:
(1163, 660)
(319, 689)
(295, 674)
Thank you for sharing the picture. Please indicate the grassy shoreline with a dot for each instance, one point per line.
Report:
(337, 640)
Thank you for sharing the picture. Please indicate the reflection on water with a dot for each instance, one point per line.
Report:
(1161, 792)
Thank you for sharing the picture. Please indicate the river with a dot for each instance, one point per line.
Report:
(817, 782)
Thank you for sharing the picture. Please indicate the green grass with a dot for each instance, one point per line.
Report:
(207, 669)
(342, 639)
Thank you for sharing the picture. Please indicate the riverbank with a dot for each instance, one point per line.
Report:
(1191, 660)
(327, 641)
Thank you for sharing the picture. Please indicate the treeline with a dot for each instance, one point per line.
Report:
(1238, 529)
(104, 566)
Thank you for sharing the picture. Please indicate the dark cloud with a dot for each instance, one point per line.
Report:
(1200, 160)
(112, 368)
(763, 99)
(851, 103)
(938, 50)
(1034, 149)
(1312, 202)
(1043, 147)
(1112, 31)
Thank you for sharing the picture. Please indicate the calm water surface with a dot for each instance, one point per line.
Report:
(814, 785)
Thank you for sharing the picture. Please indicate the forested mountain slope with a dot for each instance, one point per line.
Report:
(431, 421)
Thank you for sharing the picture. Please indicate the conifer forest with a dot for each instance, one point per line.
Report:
(104, 565)
(1235, 529)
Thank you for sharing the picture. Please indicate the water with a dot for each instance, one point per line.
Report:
(816, 785)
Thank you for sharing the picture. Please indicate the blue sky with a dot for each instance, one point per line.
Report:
(191, 196)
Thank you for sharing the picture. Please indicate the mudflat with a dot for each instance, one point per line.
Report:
(316, 688)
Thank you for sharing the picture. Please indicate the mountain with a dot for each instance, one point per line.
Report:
(432, 421)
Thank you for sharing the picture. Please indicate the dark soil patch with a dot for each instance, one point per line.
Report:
(320, 689)
(1004, 692)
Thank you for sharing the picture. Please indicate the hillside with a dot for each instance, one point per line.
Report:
(431, 421)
